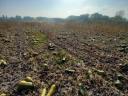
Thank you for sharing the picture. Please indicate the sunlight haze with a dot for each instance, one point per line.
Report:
(61, 8)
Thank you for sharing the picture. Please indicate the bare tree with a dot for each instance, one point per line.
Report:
(120, 13)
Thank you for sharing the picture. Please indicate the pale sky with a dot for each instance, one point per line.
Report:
(61, 8)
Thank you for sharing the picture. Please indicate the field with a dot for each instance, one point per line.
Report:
(80, 59)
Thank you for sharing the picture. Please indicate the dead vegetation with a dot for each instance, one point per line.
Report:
(63, 60)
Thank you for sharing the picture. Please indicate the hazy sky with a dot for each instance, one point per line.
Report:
(61, 8)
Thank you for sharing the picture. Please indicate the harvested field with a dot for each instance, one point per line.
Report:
(78, 63)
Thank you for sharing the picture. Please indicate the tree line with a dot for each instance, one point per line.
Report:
(97, 17)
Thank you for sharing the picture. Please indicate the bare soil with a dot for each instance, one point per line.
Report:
(24, 46)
